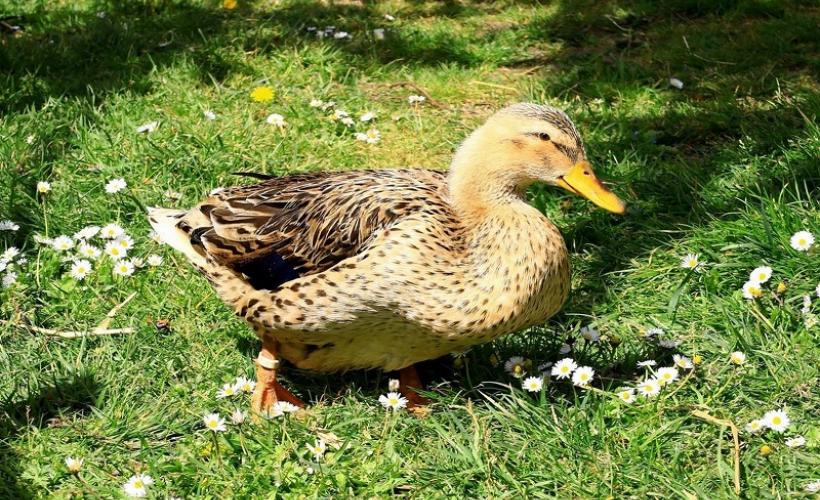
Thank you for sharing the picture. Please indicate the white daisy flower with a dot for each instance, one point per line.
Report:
(115, 250)
(155, 237)
(682, 362)
(666, 375)
(138, 262)
(737, 358)
(776, 420)
(342, 35)
(582, 376)
(564, 368)
(393, 400)
(806, 309)
(62, 243)
(154, 260)
(348, 121)
(213, 422)
(73, 464)
(338, 114)
(802, 241)
(8, 225)
(416, 99)
(761, 274)
(755, 426)
(87, 233)
(80, 269)
(669, 343)
(796, 442)
(372, 136)
(9, 280)
(813, 487)
(393, 385)
(626, 395)
(115, 186)
(111, 231)
(328, 104)
(752, 290)
(9, 254)
(147, 128)
(238, 417)
(209, 115)
(649, 388)
(316, 103)
(125, 242)
(276, 120)
(317, 449)
(690, 261)
(590, 334)
(379, 33)
(515, 366)
(653, 332)
(532, 384)
(30, 138)
(389, 17)
(244, 384)
(366, 117)
(227, 391)
(123, 267)
(282, 407)
(137, 485)
(43, 187)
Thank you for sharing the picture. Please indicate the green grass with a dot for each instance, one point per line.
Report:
(726, 167)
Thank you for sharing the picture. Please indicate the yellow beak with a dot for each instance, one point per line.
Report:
(581, 180)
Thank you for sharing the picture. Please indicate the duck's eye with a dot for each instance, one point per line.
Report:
(541, 135)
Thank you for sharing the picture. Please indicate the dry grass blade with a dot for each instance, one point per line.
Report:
(735, 438)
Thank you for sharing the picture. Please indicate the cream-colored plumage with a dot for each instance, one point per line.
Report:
(382, 269)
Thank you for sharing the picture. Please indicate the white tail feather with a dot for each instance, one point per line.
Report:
(164, 221)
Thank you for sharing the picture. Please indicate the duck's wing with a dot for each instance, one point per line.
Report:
(303, 224)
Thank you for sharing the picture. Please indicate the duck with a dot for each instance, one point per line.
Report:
(386, 268)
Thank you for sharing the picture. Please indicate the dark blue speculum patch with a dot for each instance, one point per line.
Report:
(268, 272)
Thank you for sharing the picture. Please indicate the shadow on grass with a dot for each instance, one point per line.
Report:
(41, 408)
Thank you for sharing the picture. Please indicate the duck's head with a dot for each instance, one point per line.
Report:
(526, 143)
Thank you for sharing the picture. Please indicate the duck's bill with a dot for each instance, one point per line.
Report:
(582, 181)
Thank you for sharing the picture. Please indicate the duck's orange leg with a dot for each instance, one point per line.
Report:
(268, 391)
(409, 381)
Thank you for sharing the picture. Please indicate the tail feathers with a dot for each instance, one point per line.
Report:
(165, 222)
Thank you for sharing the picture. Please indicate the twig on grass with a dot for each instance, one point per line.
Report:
(735, 437)
(73, 334)
(113, 312)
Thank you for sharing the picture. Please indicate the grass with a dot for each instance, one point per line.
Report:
(727, 167)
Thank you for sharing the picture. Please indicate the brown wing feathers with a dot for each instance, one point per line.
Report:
(306, 223)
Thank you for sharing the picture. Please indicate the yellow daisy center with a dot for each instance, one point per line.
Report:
(801, 242)
(138, 483)
(777, 420)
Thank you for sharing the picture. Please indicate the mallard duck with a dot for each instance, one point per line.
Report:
(386, 268)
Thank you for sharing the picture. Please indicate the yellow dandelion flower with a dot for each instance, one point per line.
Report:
(229, 4)
(697, 359)
(262, 94)
(766, 450)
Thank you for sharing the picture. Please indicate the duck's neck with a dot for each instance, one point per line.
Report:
(513, 249)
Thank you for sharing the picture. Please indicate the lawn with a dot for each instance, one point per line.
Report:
(725, 167)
